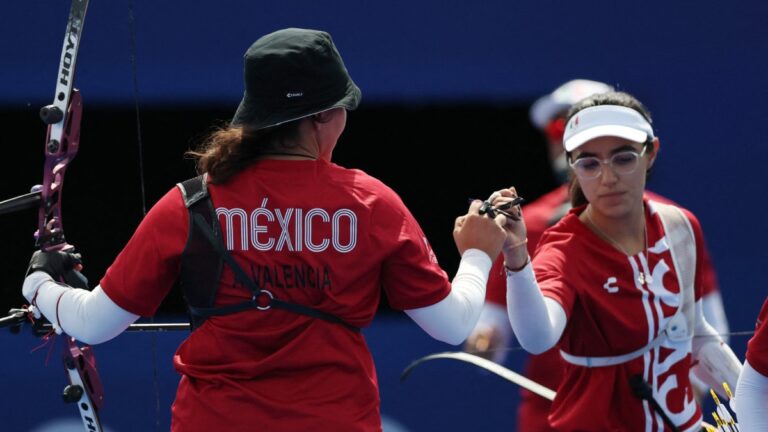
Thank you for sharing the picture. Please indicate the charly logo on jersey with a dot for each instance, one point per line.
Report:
(610, 285)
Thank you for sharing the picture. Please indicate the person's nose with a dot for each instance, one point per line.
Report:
(608, 175)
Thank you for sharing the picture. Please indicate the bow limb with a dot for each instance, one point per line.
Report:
(84, 387)
(488, 365)
(61, 146)
(63, 137)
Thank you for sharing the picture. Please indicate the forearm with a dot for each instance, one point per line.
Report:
(88, 316)
(714, 361)
(453, 318)
(538, 322)
(752, 400)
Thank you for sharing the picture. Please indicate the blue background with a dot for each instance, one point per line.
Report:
(700, 66)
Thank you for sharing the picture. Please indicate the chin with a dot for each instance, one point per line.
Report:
(614, 207)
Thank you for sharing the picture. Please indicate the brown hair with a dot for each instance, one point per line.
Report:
(610, 98)
(228, 150)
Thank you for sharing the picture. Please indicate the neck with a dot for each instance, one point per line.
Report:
(627, 233)
(287, 155)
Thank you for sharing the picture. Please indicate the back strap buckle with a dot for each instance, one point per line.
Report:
(263, 300)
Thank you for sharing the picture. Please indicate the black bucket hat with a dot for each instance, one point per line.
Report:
(291, 74)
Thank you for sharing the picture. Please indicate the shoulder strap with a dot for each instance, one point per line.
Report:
(682, 245)
(194, 189)
(200, 266)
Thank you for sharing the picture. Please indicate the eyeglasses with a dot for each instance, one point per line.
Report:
(622, 163)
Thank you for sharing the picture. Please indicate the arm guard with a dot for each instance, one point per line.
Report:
(714, 361)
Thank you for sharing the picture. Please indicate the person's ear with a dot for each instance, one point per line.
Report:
(655, 145)
(323, 117)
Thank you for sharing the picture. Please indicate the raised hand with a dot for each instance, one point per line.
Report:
(474, 230)
(62, 266)
(515, 245)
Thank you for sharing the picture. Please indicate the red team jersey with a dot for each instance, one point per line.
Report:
(547, 368)
(757, 348)
(312, 233)
(610, 312)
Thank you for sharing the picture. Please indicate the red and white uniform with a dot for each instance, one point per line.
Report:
(310, 232)
(752, 390)
(547, 368)
(610, 312)
(757, 348)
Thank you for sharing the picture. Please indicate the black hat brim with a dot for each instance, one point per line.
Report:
(250, 112)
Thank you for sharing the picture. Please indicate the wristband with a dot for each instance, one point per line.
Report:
(520, 243)
(516, 270)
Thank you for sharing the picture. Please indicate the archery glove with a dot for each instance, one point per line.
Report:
(60, 265)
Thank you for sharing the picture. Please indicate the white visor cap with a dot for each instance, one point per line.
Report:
(606, 120)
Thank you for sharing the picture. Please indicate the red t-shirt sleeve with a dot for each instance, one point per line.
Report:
(550, 267)
(411, 275)
(146, 269)
(701, 258)
(757, 348)
(709, 282)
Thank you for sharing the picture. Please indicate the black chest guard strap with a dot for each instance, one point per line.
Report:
(202, 261)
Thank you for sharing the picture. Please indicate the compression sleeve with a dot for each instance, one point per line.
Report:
(537, 321)
(452, 319)
(752, 400)
(88, 316)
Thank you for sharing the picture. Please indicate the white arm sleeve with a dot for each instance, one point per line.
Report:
(88, 316)
(714, 313)
(538, 321)
(714, 361)
(752, 400)
(452, 319)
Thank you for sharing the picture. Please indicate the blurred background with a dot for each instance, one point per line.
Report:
(446, 90)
